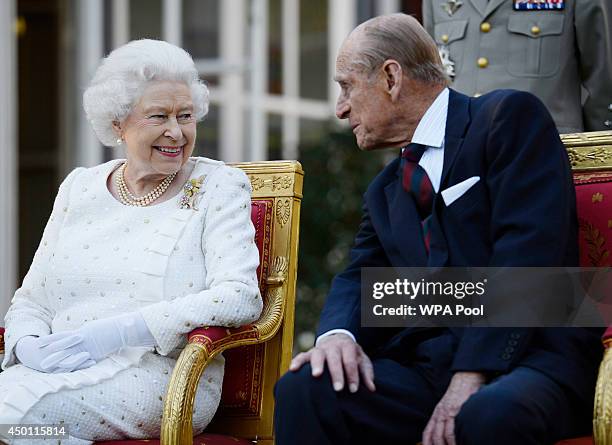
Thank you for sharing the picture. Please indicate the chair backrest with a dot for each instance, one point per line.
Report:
(247, 400)
(591, 159)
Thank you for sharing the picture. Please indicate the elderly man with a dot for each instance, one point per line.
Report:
(443, 386)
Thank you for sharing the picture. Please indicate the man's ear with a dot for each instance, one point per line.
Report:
(117, 128)
(392, 72)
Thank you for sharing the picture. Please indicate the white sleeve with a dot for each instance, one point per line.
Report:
(30, 312)
(231, 297)
(335, 331)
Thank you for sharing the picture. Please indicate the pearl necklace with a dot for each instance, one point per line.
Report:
(126, 197)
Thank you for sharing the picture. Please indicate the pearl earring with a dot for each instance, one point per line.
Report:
(119, 141)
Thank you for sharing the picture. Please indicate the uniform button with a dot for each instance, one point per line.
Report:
(444, 38)
(509, 350)
(610, 107)
(512, 342)
(608, 123)
(477, 94)
(485, 27)
(483, 62)
(515, 335)
(505, 357)
(535, 30)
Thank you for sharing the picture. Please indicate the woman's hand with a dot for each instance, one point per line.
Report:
(101, 338)
(36, 353)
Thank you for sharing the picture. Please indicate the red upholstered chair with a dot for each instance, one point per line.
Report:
(257, 354)
(591, 158)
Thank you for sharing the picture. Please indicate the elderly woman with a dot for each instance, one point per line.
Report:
(136, 253)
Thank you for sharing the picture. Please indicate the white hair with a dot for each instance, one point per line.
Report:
(122, 76)
(402, 38)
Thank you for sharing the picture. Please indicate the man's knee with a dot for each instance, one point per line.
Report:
(300, 388)
(292, 384)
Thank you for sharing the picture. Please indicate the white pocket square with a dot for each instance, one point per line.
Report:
(456, 191)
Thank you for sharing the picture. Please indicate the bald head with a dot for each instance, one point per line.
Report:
(398, 37)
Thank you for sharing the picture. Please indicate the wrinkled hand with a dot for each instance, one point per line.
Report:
(101, 338)
(343, 357)
(35, 352)
(440, 429)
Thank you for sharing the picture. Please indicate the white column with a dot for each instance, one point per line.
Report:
(120, 23)
(291, 75)
(387, 6)
(257, 150)
(172, 21)
(342, 20)
(120, 35)
(89, 50)
(8, 166)
(231, 116)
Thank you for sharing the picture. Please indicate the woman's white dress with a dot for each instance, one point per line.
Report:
(180, 268)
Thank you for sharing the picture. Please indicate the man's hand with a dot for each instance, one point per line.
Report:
(440, 429)
(343, 357)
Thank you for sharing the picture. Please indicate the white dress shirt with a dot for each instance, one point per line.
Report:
(429, 132)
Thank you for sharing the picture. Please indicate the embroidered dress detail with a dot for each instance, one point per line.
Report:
(165, 240)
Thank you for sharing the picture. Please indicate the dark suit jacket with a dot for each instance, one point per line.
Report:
(522, 212)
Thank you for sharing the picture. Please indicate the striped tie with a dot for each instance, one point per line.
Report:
(416, 182)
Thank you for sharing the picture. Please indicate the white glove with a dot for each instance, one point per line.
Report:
(100, 338)
(34, 352)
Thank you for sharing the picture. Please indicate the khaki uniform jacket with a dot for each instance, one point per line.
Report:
(563, 57)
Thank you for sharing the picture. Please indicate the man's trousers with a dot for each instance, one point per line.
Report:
(523, 407)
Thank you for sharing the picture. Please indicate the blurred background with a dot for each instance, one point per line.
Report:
(269, 66)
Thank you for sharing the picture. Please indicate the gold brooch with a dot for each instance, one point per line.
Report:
(190, 192)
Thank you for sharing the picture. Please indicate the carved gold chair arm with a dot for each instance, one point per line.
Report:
(602, 412)
(204, 344)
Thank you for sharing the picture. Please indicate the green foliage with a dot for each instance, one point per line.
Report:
(337, 174)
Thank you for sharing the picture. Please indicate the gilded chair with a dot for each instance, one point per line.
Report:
(256, 354)
(591, 158)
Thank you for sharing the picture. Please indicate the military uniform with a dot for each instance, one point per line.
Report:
(562, 54)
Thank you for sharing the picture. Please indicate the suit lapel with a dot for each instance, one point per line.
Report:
(403, 221)
(456, 123)
(480, 6)
(492, 6)
(405, 224)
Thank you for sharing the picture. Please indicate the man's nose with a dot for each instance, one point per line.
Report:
(342, 109)
(173, 129)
